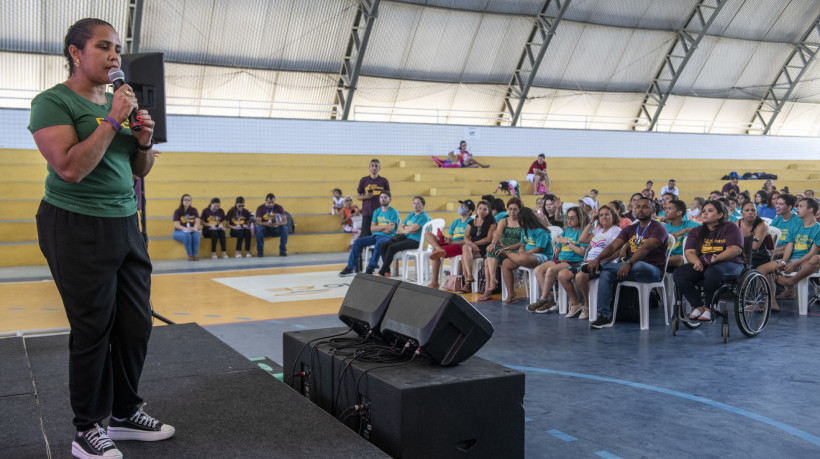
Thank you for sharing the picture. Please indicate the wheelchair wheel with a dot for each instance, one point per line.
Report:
(753, 303)
(725, 333)
(682, 311)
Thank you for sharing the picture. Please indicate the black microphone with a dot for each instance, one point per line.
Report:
(117, 78)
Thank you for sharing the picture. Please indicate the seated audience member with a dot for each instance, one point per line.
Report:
(742, 198)
(464, 156)
(383, 226)
(715, 195)
(671, 187)
(348, 216)
(666, 198)
(761, 197)
(752, 226)
(271, 222)
(645, 258)
(553, 209)
(632, 200)
(678, 227)
(785, 190)
(186, 227)
(802, 246)
(604, 233)
(534, 248)
(769, 210)
(539, 211)
(730, 203)
(338, 202)
(809, 194)
(731, 187)
(407, 236)
(537, 174)
(695, 208)
(593, 193)
(213, 226)
(571, 246)
(239, 221)
(587, 204)
(497, 209)
(507, 233)
(618, 209)
(713, 250)
(448, 247)
(786, 221)
(478, 236)
(488, 197)
(768, 186)
(649, 192)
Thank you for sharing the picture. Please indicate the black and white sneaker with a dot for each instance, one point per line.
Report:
(140, 426)
(346, 272)
(602, 322)
(94, 443)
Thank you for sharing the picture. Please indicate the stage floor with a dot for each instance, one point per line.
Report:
(618, 392)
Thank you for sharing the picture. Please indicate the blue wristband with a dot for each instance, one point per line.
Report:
(117, 126)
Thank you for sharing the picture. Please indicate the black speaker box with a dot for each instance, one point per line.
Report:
(145, 72)
(366, 301)
(419, 409)
(445, 325)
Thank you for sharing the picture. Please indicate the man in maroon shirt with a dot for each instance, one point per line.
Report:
(538, 173)
(271, 221)
(370, 187)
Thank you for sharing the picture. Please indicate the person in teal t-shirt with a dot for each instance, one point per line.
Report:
(786, 221)
(408, 236)
(678, 227)
(800, 256)
(448, 247)
(534, 248)
(89, 234)
(383, 226)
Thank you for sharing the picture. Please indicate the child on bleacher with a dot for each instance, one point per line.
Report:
(337, 202)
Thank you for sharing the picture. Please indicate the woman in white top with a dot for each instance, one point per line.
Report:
(604, 233)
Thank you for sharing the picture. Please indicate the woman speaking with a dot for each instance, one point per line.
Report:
(88, 231)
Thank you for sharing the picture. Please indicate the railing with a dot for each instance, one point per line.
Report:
(20, 98)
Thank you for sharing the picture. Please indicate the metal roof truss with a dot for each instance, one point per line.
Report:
(354, 55)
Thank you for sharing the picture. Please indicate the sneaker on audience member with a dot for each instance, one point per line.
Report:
(602, 322)
(139, 426)
(574, 308)
(584, 314)
(94, 442)
(547, 308)
(368, 271)
(248, 255)
(239, 255)
(346, 272)
(538, 303)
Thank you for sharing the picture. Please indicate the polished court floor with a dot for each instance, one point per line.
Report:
(618, 392)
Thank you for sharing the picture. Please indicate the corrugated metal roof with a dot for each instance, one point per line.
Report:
(509, 7)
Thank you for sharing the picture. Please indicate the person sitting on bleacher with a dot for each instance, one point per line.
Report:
(239, 221)
(537, 174)
(271, 221)
(604, 233)
(464, 157)
(571, 246)
(407, 237)
(213, 226)
(671, 187)
(448, 247)
(186, 227)
(678, 227)
(752, 226)
(478, 236)
(800, 255)
(731, 186)
(809, 194)
(646, 244)
(714, 251)
(534, 248)
(383, 226)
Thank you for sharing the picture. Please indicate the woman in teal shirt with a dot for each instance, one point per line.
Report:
(407, 236)
(534, 248)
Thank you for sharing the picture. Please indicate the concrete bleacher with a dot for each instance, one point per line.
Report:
(303, 185)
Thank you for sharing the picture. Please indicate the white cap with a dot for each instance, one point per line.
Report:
(588, 201)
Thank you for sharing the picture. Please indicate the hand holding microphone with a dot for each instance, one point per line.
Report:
(117, 78)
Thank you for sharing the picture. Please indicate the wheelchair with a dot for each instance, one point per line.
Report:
(749, 294)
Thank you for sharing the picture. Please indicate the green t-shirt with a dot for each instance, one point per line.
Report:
(108, 191)
(803, 238)
(786, 227)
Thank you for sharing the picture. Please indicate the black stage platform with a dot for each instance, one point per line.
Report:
(221, 404)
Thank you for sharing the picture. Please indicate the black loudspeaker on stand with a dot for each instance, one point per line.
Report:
(145, 72)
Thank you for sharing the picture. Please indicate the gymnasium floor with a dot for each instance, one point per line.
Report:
(618, 392)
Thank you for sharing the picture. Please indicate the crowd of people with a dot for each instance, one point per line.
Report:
(270, 220)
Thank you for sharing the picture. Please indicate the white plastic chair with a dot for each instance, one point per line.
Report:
(422, 254)
(775, 233)
(644, 289)
(802, 292)
(399, 256)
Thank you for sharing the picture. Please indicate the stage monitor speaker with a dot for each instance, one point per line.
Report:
(145, 72)
(445, 325)
(366, 301)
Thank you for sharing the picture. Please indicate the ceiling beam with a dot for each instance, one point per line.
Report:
(543, 30)
(780, 90)
(354, 56)
(683, 47)
(132, 33)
